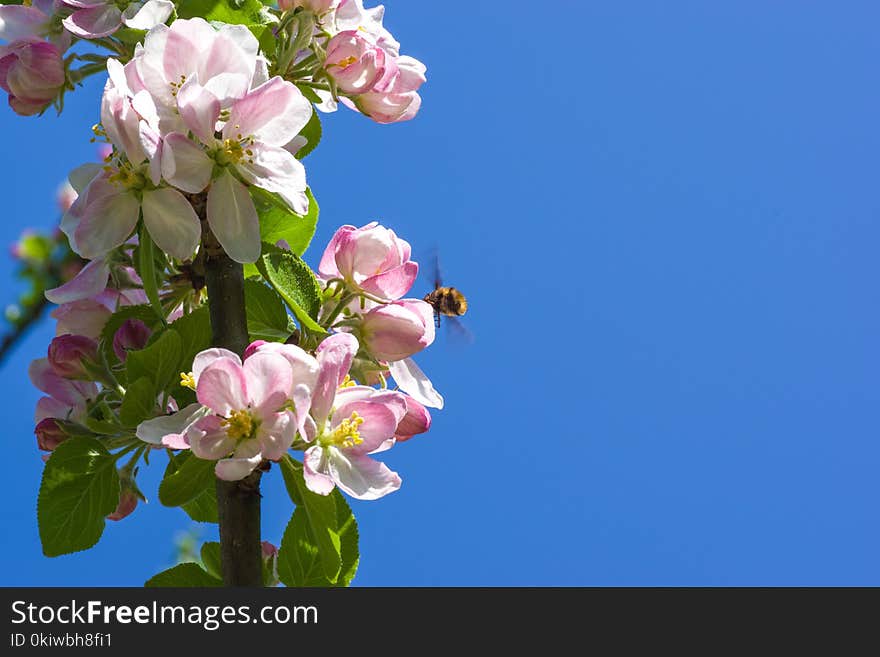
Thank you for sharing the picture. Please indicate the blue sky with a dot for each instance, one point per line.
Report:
(665, 216)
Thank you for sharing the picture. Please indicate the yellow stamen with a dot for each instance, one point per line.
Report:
(346, 434)
(187, 380)
(348, 382)
(348, 61)
(239, 425)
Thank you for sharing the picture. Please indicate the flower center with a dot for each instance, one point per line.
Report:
(348, 61)
(128, 177)
(239, 425)
(175, 86)
(233, 151)
(187, 380)
(346, 434)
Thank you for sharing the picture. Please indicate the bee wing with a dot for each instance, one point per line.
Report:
(457, 332)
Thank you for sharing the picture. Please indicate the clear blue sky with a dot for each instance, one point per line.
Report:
(665, 216)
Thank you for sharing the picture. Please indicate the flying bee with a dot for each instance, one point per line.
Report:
(447, 301)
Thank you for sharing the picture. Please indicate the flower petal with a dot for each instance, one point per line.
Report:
(412, 381)
(89, 282)
(335, 355)
(18, 22)
(169, 430)
(360, 476)
(274, 112)
(94, 22)
(276, 170)
(380, 421)
(199, 109)
(276, 435)
(314, 465)
(246, 458)
(208, 439)
(172, 222)
(269, 381)
(209, 356)
(233, 218)
(184, 164)
(222, 387)
(107, 223)
(149, 16)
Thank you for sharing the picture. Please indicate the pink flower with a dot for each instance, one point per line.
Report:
(131, 336)
(354, 62)
(36, 20)
(346, 425)
(417, 420)
(67, 400)
(49, 434)
(398, 330)
(83, 317)
(372, 259)
(251, 147)
(395, 97)
(90, 281)
(32, 73)
(248, 420)
(71, 355)
(352, 15)
(93, 19)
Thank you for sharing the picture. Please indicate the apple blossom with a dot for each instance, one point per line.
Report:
(82, 317)
(49, 434)
(354, 62)
(32, 73)
(395, 97)
(417, 420)
(249, 422)
(370, 259)
(31, 20)
(67, 400)
(71, 355)
(92, 19)
(397, 330)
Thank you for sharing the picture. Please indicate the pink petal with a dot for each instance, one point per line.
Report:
(360, 476)
(245, 459)
(412, 380)
(276, 170)
(417, 420)
(172, 222)
(394, 283)
(233, 218)
(51, 407)
(314, 465)
(335, 355)
(209, 356)
(222, 387)
(208, 439)
(274, 112)
(107, 223)
(184, 164)
(18, 22)
(199, 109)
(170, 430)
(276, 435)
(94, 22)
(269, 381)
(380, 422)
(327, 268)
(89, 282)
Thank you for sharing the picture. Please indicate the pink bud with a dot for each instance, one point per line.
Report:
(69, 354)
(131, 336)
(32, 73)
(269, 550)
(128, 501)
(398, 330)
(355, 62)
(252, 348)
(49, 434)
(395, 97)
(371, 258)
(417, 420)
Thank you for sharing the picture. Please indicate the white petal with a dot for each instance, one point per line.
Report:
(172, 222)
(155, 431)
(184, 164)
(413, 382)
(150, 15)
(233, 218)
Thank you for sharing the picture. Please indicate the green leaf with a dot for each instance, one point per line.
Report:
(139, 402)
(234, 12)
(129, 35)
(189, 575)
(186, 477)
(296, 284)
(80, 488)
(312, 132)
(277, 222)
(142, 312)
(320, 513)
(146, 268)
(160, 361)
(266, 317)
(194, 330)
(299, 562)
(203, 507)
(211, 558)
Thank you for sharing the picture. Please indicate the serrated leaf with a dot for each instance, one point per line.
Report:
(211, 558)
(296, 284)
(349, 540)
(142, 312)
(160, 361)
(186, 575)
(194, 330)
(320, 512)
(299, 560)
(186, 477)
(203, 508)
(312, 132)
(309, 93)
(139, 402)
(266, 317)
(277, 222)
(80, 488)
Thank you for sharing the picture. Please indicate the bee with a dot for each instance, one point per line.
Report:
(445, 300)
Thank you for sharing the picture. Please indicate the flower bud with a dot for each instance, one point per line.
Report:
(70, 355)
(49, 434)
(398, 330)
(355, 63)
(372, 259)
(131, 336)
(270, 564)
(252, 348)
(417, 420)
(395, 97)
(128, 501)
(32, 73)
